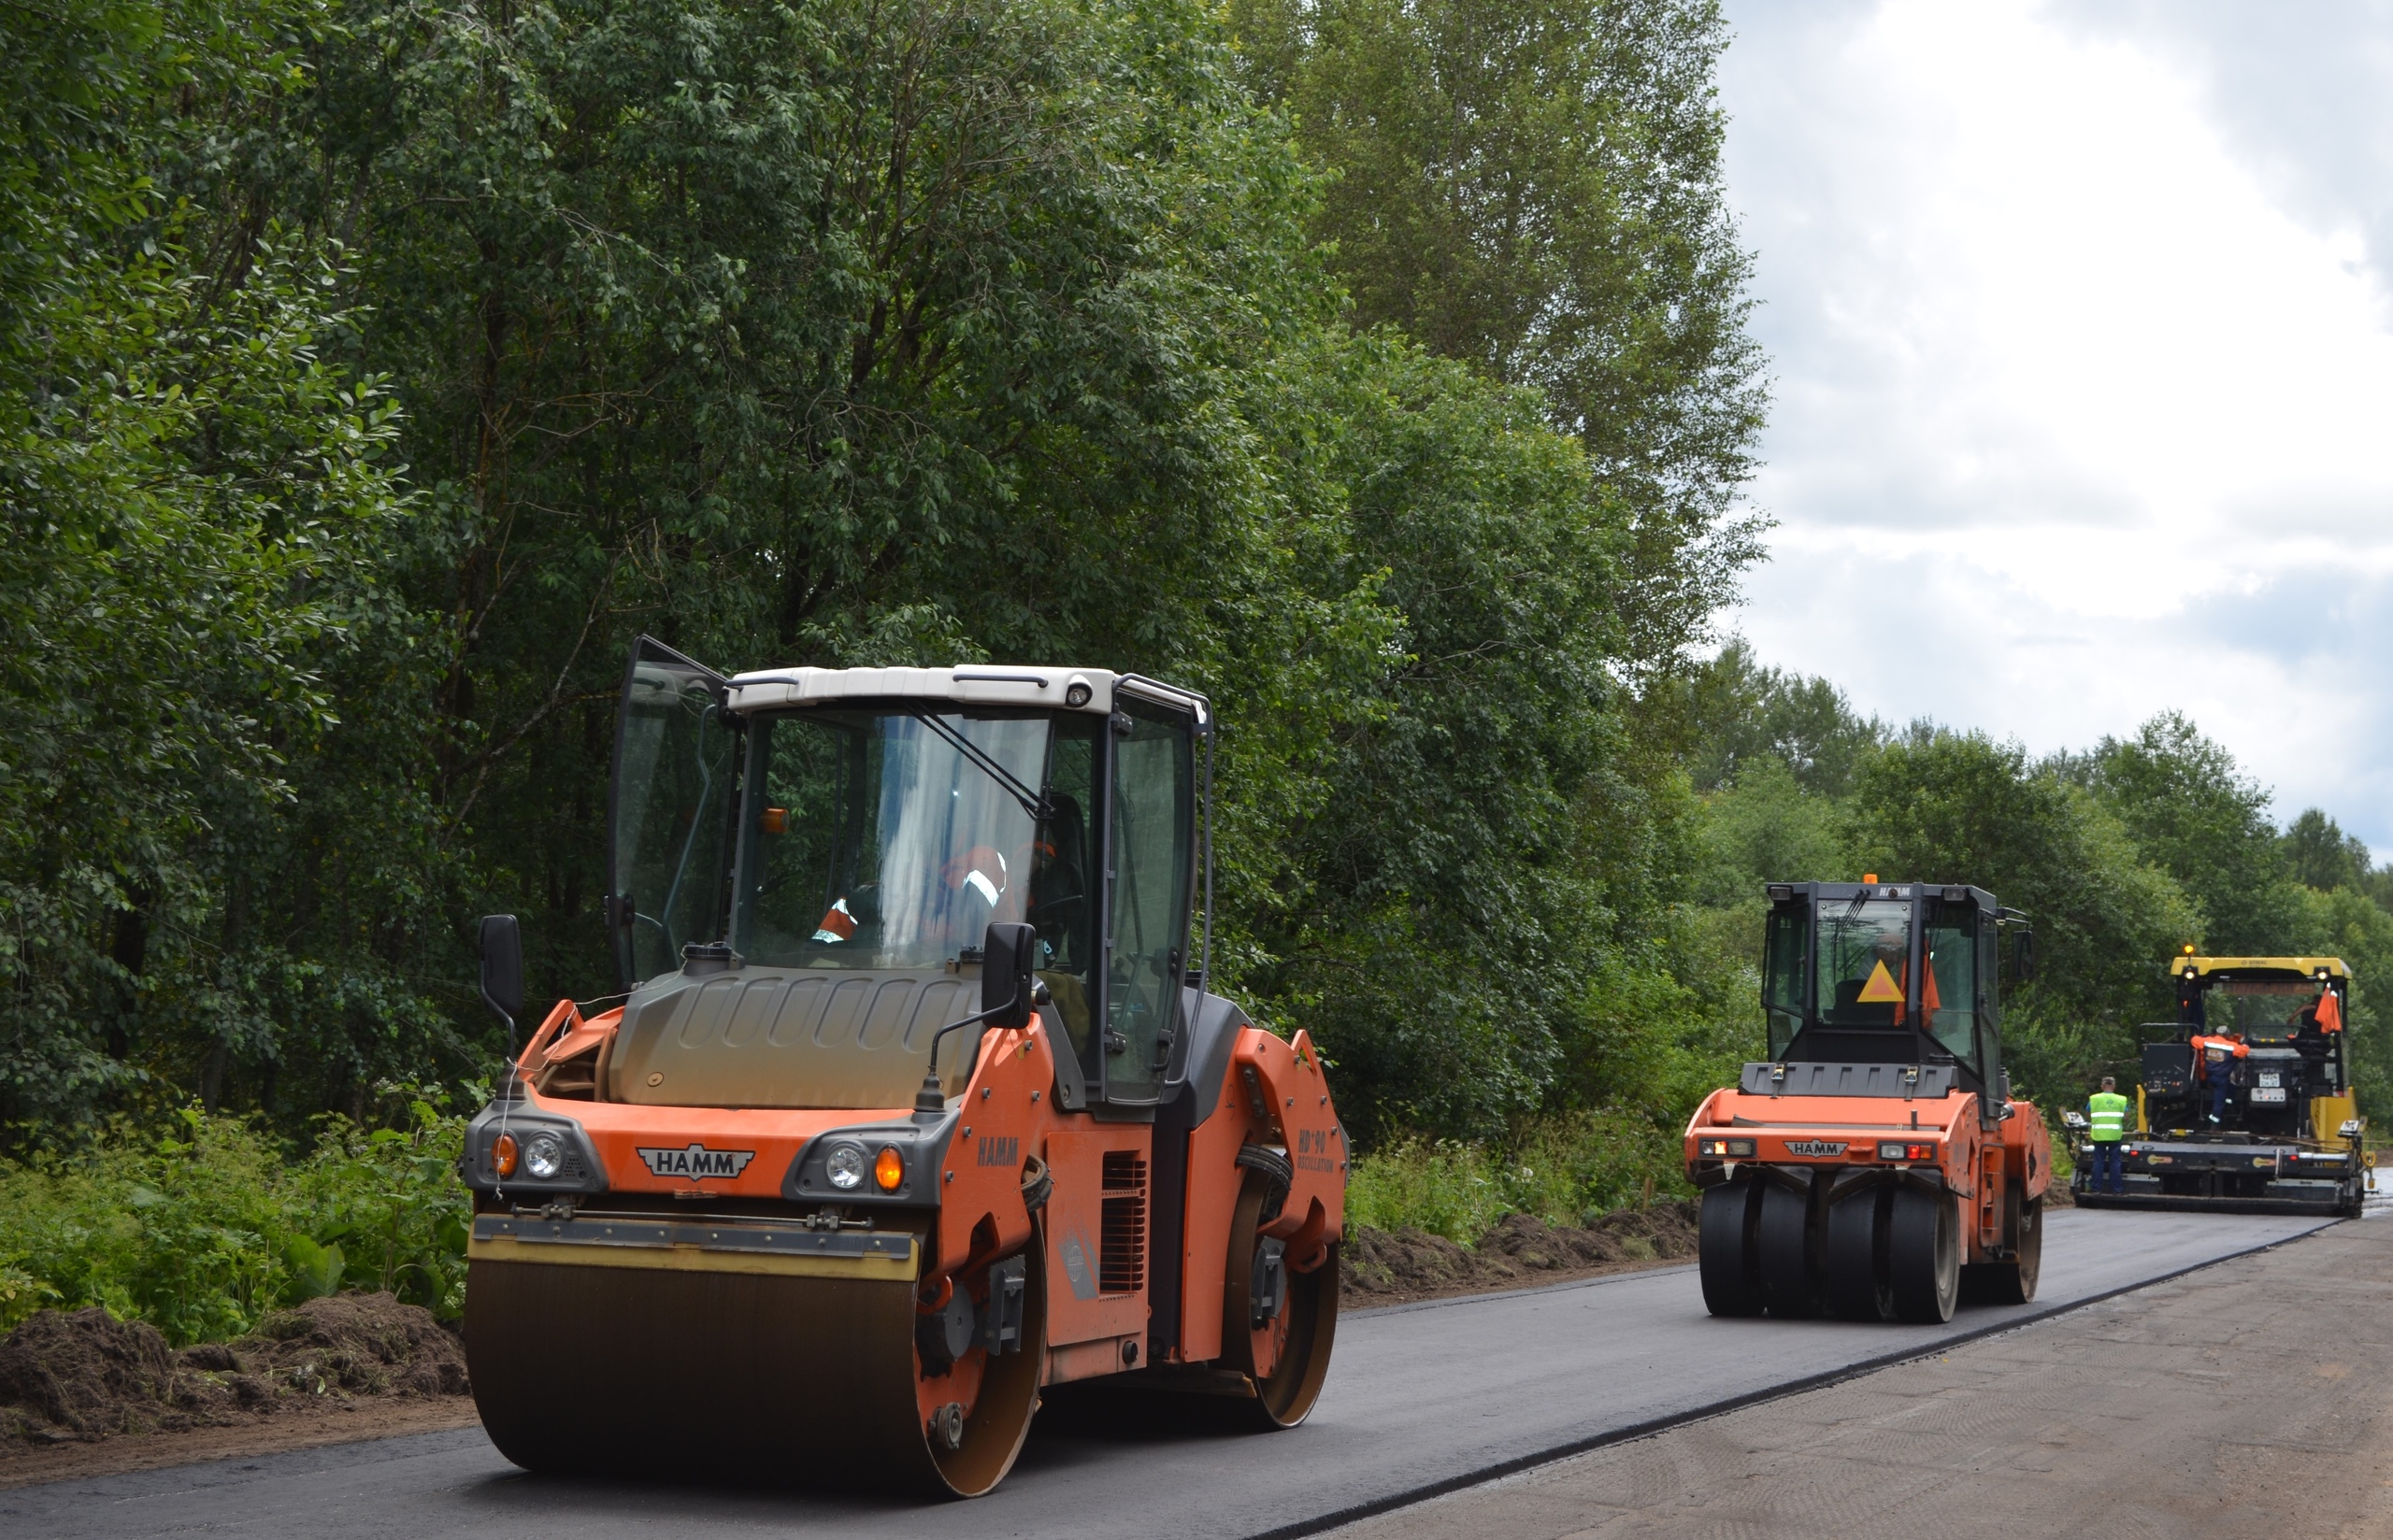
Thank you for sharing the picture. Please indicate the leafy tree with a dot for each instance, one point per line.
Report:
(1942, 806)
(837, 335)
(1440, 953)
(2195, 814)
(1739, 711)
(2320, 855)
(191, 493)
(1766, 828)
(1534, 187)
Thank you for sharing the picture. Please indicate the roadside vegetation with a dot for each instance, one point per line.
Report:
(371, 373)
(203, 1226)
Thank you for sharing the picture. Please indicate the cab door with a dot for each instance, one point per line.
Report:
(1150, 846)
(669, 809)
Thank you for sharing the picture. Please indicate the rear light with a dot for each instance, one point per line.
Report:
(1734, 1150)
(502, 1155)
(1891, 1151)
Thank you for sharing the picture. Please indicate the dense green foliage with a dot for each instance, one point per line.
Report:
(196, 501)
(413, 359)
(204, 1226)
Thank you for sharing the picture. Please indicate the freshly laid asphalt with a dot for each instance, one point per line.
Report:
(1421, 1398)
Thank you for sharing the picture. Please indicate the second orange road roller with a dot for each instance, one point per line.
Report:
(916, 1102)
(1876, 1168)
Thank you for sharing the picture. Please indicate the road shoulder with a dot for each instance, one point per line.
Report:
(2254, 1397)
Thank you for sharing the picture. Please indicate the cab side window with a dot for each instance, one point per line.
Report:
(1152, 798)
(1953, 968)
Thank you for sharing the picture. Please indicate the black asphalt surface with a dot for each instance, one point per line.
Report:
(1421, 1398)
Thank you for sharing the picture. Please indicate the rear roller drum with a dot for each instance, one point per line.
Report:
(1924, 1256)
(1854, 1256)
(1784, 1232)
(1278, 1324)
(1728, 1262)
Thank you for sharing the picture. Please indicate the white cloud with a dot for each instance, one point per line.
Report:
(2084, 402)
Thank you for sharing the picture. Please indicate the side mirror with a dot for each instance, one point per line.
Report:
(2023, 955)
(502, 944)
(1007, 978)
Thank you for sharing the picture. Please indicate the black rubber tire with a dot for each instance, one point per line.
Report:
(1784, 1237)
(1732, 1280)
(1852, 1255)
(1924, 1256)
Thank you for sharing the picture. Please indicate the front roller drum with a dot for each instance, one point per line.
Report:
(810, 1381)
(1278, 1325)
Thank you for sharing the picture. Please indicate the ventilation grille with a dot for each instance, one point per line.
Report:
(1122, 1241)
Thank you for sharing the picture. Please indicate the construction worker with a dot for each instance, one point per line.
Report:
(2217, 1059)
(2106, 1127)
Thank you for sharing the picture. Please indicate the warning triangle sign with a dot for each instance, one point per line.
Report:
(1881, 989)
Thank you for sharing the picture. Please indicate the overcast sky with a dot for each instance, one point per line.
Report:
(2081, 322)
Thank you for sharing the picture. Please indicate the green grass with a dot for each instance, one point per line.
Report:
(1564, 1170)
(201, 1227)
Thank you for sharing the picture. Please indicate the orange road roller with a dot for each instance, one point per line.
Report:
(915, 1103)
(1877, 1167)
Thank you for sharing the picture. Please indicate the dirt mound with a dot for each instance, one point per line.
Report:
(77, 1374)
(86, 1375)
(1388, 1267)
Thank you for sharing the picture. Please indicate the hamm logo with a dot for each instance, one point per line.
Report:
(1814, 1148)
(697, 1162)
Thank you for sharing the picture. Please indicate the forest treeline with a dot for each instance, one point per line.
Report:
(372, 371)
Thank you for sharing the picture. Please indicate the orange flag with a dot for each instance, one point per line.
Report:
(2330, 1012)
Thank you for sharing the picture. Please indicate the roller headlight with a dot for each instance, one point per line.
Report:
(543, 1156)
(845, 1166)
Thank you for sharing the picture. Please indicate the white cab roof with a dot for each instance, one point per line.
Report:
(967, 684)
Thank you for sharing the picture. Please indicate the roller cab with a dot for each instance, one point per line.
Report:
(2287, 1137)
(915, 1101)
(1876, 1168)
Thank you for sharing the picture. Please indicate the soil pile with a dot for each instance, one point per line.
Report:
(1389, 1267)
(86, 1375)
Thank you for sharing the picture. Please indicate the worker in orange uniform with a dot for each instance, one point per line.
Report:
(2218, 1060)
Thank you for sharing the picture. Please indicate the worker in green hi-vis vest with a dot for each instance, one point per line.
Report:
(2106, 1123)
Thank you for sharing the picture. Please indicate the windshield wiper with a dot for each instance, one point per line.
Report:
(1033, 803)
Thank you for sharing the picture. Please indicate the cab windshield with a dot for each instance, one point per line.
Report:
(1864, 960)
(2261, 1010)
(893, 838)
